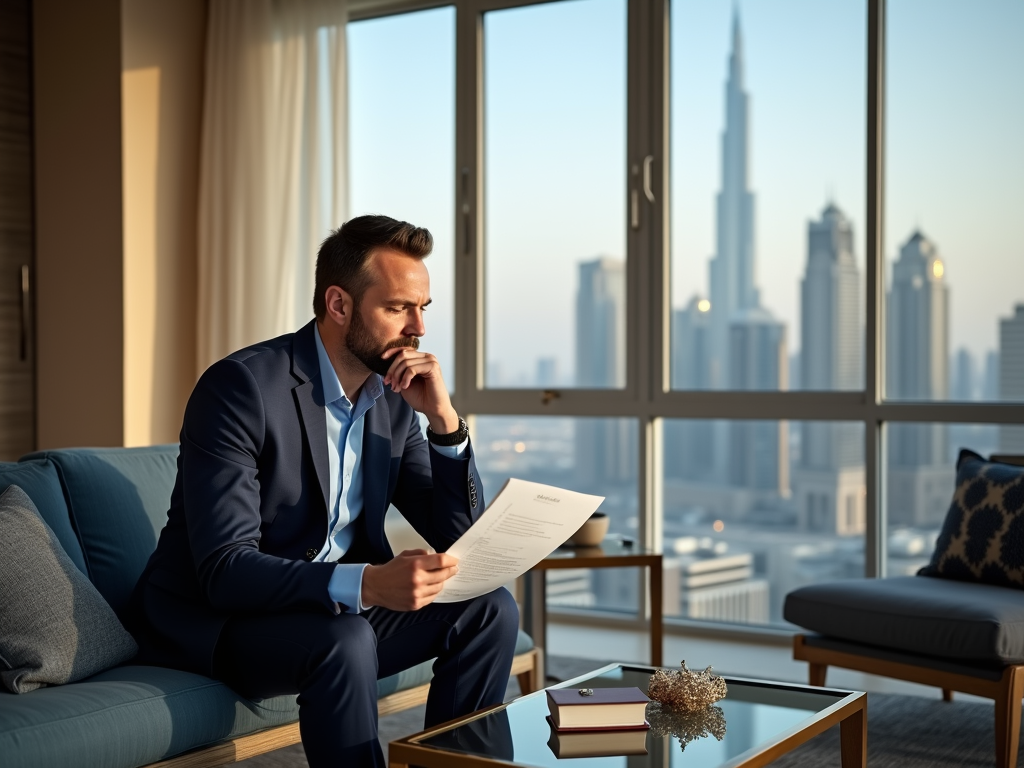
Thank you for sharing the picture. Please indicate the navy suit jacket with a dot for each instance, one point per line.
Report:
(249, 507)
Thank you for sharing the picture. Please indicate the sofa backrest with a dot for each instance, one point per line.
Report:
(118, 500)
(38, 478)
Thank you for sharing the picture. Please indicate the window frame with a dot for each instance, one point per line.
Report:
(648, 397)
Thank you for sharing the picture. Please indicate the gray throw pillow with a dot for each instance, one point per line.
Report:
(54, 626)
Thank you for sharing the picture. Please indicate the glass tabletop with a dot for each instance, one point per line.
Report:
(753, 713)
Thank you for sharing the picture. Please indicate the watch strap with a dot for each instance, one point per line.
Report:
(457, 437)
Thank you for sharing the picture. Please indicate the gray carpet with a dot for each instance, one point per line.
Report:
(903, 732)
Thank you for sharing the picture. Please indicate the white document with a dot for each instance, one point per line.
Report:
(525, 523)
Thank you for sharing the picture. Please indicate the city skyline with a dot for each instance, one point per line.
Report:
(732, 271)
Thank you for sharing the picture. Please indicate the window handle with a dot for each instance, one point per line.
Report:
(648, 189)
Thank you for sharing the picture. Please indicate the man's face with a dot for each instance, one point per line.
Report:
(390, 311)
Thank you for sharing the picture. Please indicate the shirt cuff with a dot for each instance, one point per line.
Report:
(346, 586)
(452, 451)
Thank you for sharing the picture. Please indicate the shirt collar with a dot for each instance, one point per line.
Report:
(333, 391)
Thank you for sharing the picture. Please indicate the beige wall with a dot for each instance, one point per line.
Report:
(162, 88)
(77, 90)
(115, 217)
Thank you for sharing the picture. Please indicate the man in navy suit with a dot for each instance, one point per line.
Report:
(273, 573)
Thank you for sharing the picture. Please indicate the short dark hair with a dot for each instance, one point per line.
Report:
(343, 256)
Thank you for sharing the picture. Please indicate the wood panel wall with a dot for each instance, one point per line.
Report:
(17, 347)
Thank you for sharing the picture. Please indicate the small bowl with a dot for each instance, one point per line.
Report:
(592, 532)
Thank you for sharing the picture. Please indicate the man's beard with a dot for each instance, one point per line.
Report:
(367, 348)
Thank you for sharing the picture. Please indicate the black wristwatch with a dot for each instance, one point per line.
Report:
(457, 437)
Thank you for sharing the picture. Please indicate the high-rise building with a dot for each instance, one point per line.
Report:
(828, 483)
(686, 445)
(961, 385)
(1011, 376)
(606, 449)
(758, 361)
(990, 378)
(831, 335)
(601, 324)
(691, 345)
(917, 365)
(547, 371)
(732, 273)
(917, 348)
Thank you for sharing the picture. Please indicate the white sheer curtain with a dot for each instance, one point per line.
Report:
(273, 179)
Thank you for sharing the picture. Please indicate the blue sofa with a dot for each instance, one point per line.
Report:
(107, 506)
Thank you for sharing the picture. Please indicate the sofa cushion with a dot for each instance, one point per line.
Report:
(54, 626)
(982, 538)
(118, 499)
(39, 480)
(135, 715)
(128, 716)
(935, 617)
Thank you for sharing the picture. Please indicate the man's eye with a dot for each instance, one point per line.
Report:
(396, 310)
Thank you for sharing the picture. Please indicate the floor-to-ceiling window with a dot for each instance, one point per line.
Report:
(750, 271)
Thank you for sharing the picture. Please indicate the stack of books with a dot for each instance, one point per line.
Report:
(597, 722)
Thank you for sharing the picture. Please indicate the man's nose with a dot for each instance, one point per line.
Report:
(415, 326)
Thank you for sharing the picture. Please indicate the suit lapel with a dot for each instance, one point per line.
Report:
(309, 395)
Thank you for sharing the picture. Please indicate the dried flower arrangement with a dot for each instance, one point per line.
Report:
(685, 690)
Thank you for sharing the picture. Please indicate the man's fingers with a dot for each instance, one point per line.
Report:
(413, 552)
(439, 576)
(403, 371)
(437, 560)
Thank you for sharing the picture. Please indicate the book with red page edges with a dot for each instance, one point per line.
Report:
(597, 708)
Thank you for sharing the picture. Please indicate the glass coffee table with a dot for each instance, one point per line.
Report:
(762, 721)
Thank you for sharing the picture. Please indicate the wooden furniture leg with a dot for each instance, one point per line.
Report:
(657, 612)
(853, 739)
(1008, 717)
(533, 678)
(947, 694)
(817, 674)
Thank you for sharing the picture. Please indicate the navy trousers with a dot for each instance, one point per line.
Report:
(333, 664)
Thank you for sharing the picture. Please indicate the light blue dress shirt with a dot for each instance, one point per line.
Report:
(344, 451)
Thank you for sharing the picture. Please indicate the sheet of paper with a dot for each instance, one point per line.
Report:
(525, 523)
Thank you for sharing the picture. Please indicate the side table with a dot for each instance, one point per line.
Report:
(610, 554)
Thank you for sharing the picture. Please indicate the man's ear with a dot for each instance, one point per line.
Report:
(340, 306)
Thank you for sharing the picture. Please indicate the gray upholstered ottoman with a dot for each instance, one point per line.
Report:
(958, 636)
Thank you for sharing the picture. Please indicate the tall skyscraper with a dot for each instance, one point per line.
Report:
(687, 454)
(917, 365)
(961, 385)
(990, 377)
(829, 481)
(757, 361)
(731, 276)
(605, 448)
(1011, 376)
(691, 345)
(732, 342)
(601, 324)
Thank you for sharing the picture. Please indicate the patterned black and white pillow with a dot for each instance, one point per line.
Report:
(982, 538)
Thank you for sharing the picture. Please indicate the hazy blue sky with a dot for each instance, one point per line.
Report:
(555, 155)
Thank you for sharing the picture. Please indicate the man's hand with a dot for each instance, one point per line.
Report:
(417, 376)
(408, 582)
